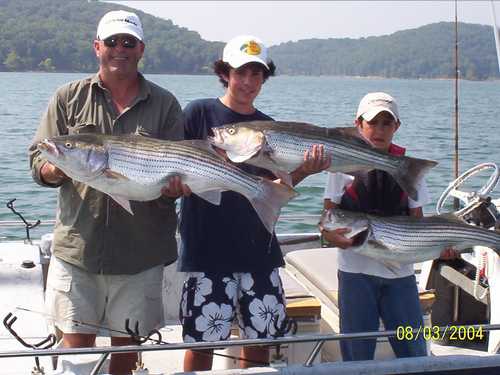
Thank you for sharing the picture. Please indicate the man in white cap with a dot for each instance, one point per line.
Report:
(230, 258)
(107, 265)
(387, 294)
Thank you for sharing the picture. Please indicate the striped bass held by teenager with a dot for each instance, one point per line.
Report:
(279, 146)
(135, 168)
(396, 240)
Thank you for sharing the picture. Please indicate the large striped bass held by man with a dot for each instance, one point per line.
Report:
(135, 168)
(279, 146)
(407, 239)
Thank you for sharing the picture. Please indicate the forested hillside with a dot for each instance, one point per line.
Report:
(56, 35)
(425, 52)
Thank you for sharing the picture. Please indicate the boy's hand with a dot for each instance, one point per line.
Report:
(315, 160)
(449, 254)
(337, 237)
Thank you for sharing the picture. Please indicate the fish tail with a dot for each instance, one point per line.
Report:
(410, 171)
(269, 201)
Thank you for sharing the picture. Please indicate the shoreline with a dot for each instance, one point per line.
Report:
(489, 79)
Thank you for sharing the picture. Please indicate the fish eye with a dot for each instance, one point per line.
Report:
(231, 131)
(68, 145)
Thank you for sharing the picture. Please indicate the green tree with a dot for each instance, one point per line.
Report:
(13, 62)
(47, 65)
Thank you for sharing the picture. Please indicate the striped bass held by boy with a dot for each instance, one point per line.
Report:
(135, 168)
(397, 240)
(279, 146)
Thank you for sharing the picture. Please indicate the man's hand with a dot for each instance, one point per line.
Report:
(337, 237)
(175, 188)
(51, 174)
(449, 254)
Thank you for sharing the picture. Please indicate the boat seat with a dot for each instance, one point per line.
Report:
(319, 266)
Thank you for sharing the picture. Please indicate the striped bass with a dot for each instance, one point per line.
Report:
(133, 167)
(406, 239)
(279, 146)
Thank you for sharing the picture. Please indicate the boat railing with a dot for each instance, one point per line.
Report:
(286, 217)
(426, 333)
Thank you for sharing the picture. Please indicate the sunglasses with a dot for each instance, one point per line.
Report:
(126, 42)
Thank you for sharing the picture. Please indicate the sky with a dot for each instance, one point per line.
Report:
(280, 21)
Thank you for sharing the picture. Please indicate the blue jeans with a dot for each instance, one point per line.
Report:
(365, 298)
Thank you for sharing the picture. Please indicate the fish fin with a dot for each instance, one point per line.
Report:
(115, 175)
(350, 132)
(269, 201)
(409, 173)
(212, 196)
(266, 149)
(284, 176)
(378, 245)
(124, 202)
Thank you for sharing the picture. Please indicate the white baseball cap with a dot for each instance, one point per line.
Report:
(244, 49)
(119, 22)
(375, 102)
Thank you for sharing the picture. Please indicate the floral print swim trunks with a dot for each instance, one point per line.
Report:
(211, 301)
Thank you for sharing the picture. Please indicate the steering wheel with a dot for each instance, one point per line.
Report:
(470, 199)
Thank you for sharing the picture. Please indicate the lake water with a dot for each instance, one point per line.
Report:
(426, 108)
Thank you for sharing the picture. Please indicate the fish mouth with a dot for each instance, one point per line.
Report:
(48, 147)
(360, 238)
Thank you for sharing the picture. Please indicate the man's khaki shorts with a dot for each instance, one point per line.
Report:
(82, 302)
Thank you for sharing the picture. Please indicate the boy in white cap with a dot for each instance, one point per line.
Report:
(387, 294)
(107, 265)
(231, 260)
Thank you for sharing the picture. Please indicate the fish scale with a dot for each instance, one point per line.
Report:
(124, 157)
(342, 155)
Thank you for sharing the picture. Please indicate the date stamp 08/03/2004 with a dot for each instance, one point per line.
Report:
(451, 332)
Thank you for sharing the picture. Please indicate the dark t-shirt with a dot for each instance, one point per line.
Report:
(229, 237)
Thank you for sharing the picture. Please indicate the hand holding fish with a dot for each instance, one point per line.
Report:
(449, 253)
(336, 237)
(51, 174)
(316, 159)
(175, 188)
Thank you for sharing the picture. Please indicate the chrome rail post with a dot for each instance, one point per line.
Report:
(99, 364)
(314, 353)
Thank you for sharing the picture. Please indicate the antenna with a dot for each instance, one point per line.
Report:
(496, 32)
(456, 202)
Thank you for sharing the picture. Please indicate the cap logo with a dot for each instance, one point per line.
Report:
(122, 20)
(380, 102)
(251, 48)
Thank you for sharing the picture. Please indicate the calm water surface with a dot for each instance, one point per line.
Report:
(426, 108)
